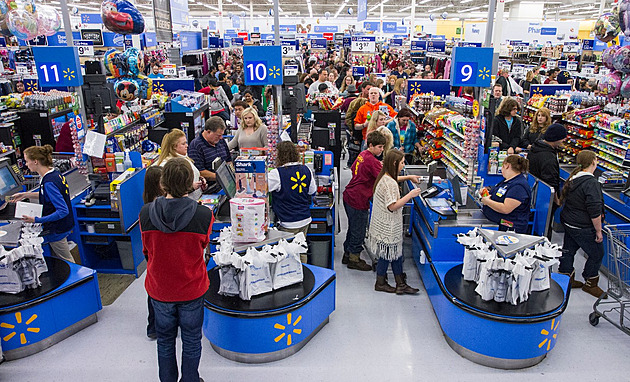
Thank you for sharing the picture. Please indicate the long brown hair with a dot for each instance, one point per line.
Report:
(391, 163)
(535, 127)
(506, 106)
(584, 160)
(152, 187)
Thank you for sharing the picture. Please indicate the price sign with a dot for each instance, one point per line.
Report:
(572, 66)
(289, 48)
(266, 43)
(419, 46)
(588, 70)
(571, 47)
(518, 69)
(471, 66)
(604, 71)
(551, 64)
(290, 70)
(436, 46)
(263, 65)
(520, 48)
(58, 66)
(21, 69)
(396, 42)
(318, 43)
(365, 44)
(85, 48)
(237, 41)
(562, 64)
(169, 70)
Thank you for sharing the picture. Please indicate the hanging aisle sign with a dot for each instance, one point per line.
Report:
(162, 17)
(418, 46)
(471, 67)
(262, 65)
(58, 66)
(237, 41)
(395, 42)
(358, 71)
(362, 10)
(318, 43)
(363, 44)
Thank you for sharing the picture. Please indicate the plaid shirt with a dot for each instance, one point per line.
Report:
(203, 154)
(411, 136)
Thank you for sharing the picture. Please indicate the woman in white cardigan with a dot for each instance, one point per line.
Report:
(385, 234)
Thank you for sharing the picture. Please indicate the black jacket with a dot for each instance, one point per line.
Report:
(504, 83)
(584, 201)
(529, 137)
(227, 90)
(509, 137)
(543, 164)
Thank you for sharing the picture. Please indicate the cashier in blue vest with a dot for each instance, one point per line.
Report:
(57, 219)
(292, 186)
(508, 202)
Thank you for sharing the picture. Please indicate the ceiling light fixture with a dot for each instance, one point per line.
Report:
(437, 9)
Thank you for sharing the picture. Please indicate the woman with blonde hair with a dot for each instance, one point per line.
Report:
(378, 122)
(527, 82)
(540, 123)
(252, 132)
(399, 89)
(175, 145)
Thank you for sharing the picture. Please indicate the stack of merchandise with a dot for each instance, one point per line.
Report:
(259, 270)
(507, 279)
(21, 267)
(273, 137)
(250, 209)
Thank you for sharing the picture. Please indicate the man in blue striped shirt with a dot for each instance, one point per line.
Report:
(208, 146)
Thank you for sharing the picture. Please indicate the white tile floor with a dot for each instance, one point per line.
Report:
(371, 337)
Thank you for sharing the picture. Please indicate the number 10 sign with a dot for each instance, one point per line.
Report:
(263, 65)
(471, 67)
(58, 66)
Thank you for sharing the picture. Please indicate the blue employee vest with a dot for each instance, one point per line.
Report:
(66, 223)
(293, 202)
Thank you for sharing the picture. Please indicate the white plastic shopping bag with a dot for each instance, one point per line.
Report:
(230, 281)
(256, 277)
(288, 267)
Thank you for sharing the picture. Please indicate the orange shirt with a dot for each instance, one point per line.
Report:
(368, 109)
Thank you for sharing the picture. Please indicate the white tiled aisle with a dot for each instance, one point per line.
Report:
(371, 337)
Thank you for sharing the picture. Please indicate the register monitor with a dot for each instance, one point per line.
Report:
(226, 179)
(10, 183)
(457, 190)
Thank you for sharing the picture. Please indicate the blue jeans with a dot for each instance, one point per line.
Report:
(397, 266)
(357, 225)
(188, 317)
(584, 238)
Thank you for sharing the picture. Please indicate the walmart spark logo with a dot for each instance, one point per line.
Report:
(18, 322)
(550, 336)
(414, 88)
(537, 90)
(299, 181)
(274, 72)
(483, 73)
(158, 87)
(287, 328)
(30, 86)
(69, 74)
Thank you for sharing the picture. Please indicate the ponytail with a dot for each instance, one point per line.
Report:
(584, 159)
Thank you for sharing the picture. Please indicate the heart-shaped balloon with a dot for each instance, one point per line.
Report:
(120, 16)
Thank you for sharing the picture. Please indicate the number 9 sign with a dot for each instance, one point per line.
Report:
(466, 73)
(471, 66)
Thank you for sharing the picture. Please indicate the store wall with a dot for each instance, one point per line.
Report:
(554, 31)
(450, 28)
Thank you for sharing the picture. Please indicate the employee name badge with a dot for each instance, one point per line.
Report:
(384, 110)
(501, 191)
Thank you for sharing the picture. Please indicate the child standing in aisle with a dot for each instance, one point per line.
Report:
(385, 234)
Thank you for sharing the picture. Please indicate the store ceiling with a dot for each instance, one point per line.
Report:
(393, 9)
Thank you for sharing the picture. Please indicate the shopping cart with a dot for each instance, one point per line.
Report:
(618, 252)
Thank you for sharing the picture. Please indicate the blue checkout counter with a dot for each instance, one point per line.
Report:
(493, 334)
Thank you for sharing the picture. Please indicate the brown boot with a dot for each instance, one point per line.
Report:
(355, 262)
(382, 285)
(573, 282)
(590, 287)
(402, 287)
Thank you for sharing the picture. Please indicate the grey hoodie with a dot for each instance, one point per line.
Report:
(172, 215)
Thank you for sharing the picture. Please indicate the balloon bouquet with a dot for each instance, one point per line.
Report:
(607, 28)
(125, 69)
(25, 20)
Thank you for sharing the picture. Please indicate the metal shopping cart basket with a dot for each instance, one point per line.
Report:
(618, 256)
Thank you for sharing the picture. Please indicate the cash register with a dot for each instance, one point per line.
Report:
(11, 180)
(226, 178)
(444, 201)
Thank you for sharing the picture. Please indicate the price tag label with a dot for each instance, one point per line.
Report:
(86, 48)
(169, 70)
(551, 64)
(363, 44)
(290, 70)
(520, 48)
(572, 66)
(588, 70)
(570, 48)
(288, 50)
(21, 69)
(604, 71)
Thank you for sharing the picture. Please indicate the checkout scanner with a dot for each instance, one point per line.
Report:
(226, 178)
(444, 196)
(11, 181)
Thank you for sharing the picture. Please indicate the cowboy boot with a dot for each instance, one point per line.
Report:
(590, 287)
(402, 287)
(382, 285)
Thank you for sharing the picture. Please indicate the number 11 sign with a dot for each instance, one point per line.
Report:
(57, 66)
(471, 67)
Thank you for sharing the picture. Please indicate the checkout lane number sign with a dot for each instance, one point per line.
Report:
(263, 65)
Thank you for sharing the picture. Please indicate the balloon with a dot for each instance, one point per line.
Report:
(22, 24)
(625, 88)
(243, 14)
(108, 62)
(327, 15)
(444, 15)
(75, 10)
(127, 89)
(48, 20)
(431, 17)
(608, 55)
(146, 87)
(610, 85)
(621, 59)
(195, 23)
(624, 16)
(134, 59)
(350, 10)
(270, 12)
(120, 16)
(607, 27)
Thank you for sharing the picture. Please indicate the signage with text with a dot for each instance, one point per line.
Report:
(436, 46)
(58, 66)
(289, 47)
(418, 45)
(358, 71)
(364, 44)
(471, 67)
(318, 43)
(85, 48)
(262, 65)
(94, 35)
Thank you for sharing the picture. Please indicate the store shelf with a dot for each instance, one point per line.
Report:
(455, 164)
(613, 131)
(606, 166)
(609, 152)
(449, 128)
(451, 141)
(59, 113)
(122, 129)
(84, 219)
(575, 123)
(579, 135)
(457, 156)
(451, 165)
(604, 140)
(83, 233)
(610, 161)
(7, 153)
